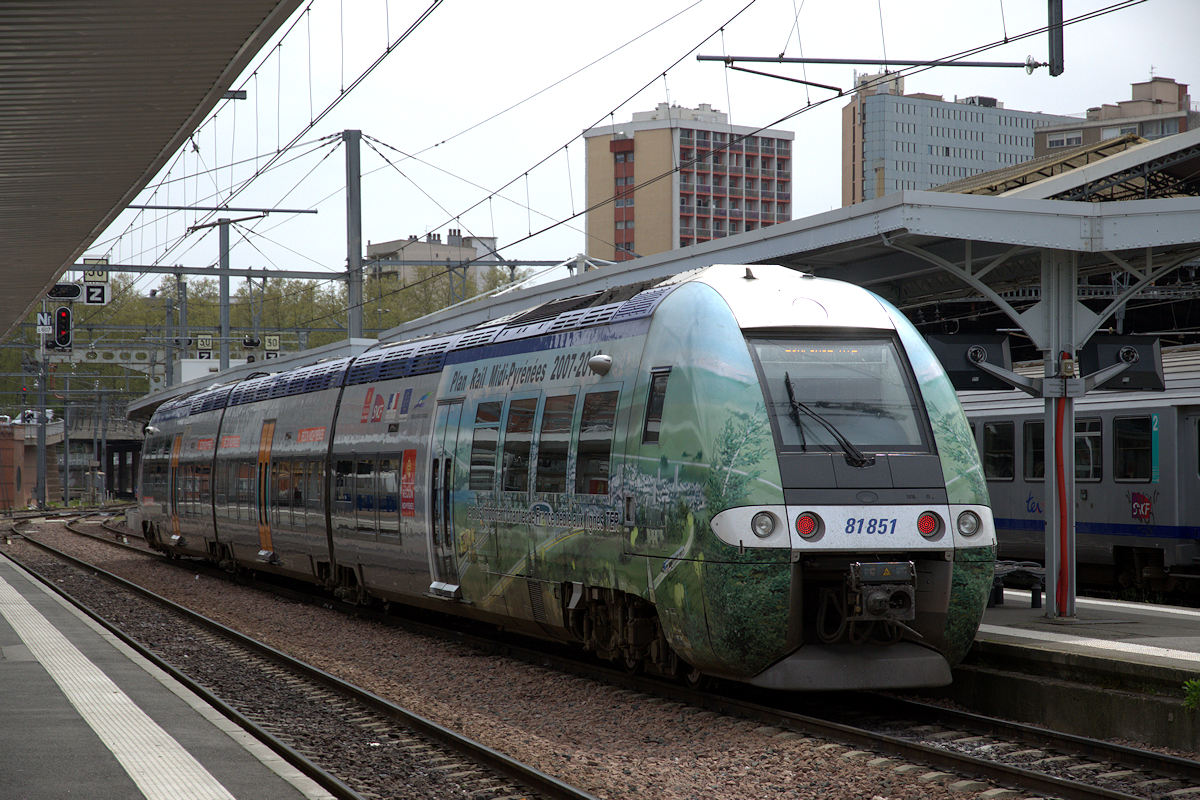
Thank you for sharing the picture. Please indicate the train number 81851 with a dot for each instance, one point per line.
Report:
(871, 526)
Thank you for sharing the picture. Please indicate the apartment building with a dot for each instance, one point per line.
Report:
(676, 176)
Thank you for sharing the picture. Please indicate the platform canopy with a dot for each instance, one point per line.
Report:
(927, 252)
(95, 96)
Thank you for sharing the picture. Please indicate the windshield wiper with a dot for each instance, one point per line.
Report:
(854, 456)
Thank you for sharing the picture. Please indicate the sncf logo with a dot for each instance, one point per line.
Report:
(373, 405)
(1141, 507)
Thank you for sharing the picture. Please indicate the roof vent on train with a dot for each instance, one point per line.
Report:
(554, 308)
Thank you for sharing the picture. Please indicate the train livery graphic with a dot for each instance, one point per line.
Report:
(743, 472)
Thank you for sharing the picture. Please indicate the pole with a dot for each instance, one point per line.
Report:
(170, 329)
(66, 445)
(104, 443)
(354, 232)
(41, 433)
(1060, 385)
(223, 224)
(181, 290)
(95, 450)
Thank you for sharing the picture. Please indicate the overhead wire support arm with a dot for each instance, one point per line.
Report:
(1029, 64)
(226, 208)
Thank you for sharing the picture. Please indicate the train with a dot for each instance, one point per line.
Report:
(1137, 480)
(741, 472)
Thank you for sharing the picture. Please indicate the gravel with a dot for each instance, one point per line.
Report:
(612, 742)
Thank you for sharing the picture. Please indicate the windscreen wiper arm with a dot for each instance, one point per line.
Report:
(854, 456)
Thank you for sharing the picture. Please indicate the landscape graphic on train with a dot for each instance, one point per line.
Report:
(742, 472)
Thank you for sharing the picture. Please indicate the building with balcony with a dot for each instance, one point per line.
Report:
(675, 176)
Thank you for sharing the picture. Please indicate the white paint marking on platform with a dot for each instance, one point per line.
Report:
(158, 764)
(1106, 645)
(1116, 605)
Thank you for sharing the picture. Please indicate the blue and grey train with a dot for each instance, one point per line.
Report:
(1137, 479)
(741, 472)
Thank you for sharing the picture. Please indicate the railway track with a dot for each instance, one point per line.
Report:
(949, 745)
(354, 743)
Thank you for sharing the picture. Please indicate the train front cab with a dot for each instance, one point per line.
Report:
(741, 586)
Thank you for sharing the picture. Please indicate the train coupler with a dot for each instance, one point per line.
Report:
(881, 591)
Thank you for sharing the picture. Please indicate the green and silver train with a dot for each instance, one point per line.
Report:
(742, 472)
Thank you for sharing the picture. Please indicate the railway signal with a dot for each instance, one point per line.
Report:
(62, 327)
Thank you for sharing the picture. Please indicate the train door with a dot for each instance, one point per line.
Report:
(1187, 480)
(266, 550)
(173, 488)
(444, 566)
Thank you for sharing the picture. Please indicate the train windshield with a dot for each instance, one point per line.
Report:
(858, 387)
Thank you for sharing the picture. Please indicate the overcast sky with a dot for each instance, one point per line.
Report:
(470, 60)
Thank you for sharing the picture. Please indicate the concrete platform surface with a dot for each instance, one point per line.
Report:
(82, 715)
(1138, 633)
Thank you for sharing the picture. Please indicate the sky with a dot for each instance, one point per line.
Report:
(472, 121)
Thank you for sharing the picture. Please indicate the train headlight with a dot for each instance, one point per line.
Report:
(763, 524)
(929, 525)
(969, 523)
(808, 525)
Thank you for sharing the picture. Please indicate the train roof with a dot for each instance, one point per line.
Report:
(1181, 368)
(831, 302)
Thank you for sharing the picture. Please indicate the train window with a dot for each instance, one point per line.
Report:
(281, 479)
(1088, 447)
(245, 490)
(1088, 465)
(483, 446)
(998, 443)
(389, 488)
(1034, 447)
(554, 440)
(654, 404)
(365, 494)
(861, 387)
(595, 442)
(518, 434)
(315, 493)
(1132, 449)
(343, 496)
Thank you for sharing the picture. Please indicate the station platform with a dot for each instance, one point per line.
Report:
(1115, 670)
(83, 715)
(1156, 637)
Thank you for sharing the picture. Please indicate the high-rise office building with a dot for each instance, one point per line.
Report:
(678, 176)
(893, 141)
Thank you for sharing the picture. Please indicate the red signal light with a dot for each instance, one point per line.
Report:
(62, 327)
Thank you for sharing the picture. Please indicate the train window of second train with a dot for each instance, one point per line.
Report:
(998, 443)
(1034, 445)
(595, 442)
(483, 446)
(554, 440)
(654, 405)
(1088, 447)
(1132, 449)
(518, 436)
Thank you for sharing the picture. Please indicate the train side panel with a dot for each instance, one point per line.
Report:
(536, 457)
(718, 604)
(379, 490)
(270, 483)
